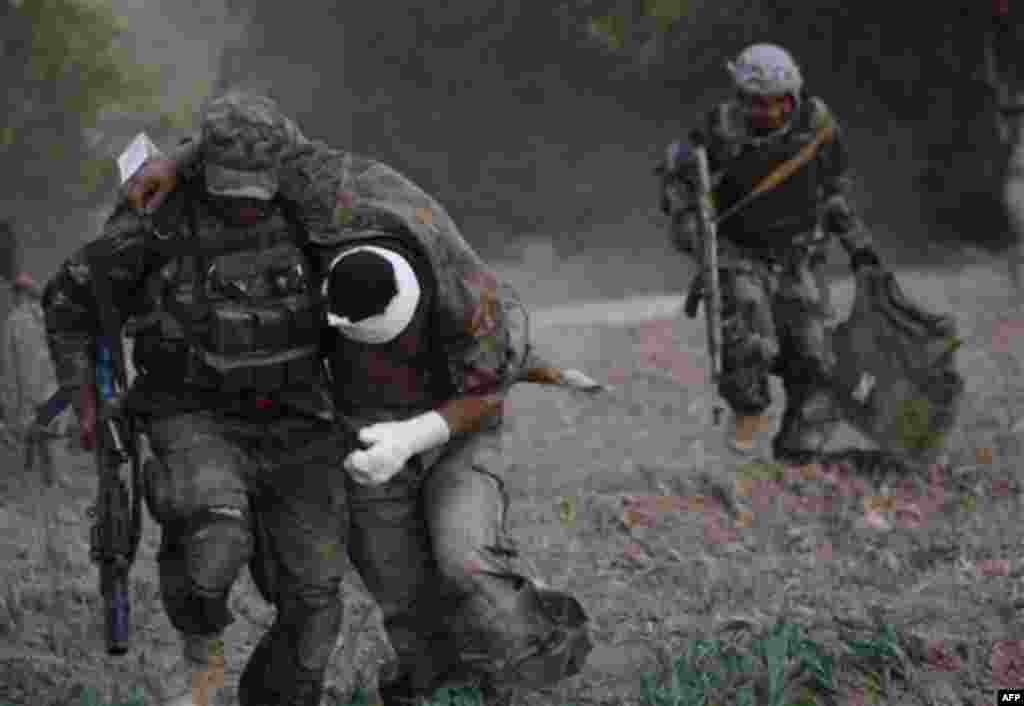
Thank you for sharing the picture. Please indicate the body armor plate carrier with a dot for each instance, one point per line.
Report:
(245, 305)
(788, 210)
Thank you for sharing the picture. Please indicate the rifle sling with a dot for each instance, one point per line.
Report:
(787, 168)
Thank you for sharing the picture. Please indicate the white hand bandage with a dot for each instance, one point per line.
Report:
(578, 380)
(392, 444)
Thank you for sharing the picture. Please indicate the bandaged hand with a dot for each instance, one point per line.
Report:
(578, 380)
(392, 444)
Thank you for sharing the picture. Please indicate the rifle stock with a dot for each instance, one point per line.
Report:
(709, 281)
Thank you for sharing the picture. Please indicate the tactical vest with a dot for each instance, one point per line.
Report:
(406, 375)
(790, 209)
(239, 308)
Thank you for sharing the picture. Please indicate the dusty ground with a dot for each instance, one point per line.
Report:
(937, 559)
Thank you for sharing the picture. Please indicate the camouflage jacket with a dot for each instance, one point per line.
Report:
(729, 140)
(134, 251)
(341, 195)
(29, 375)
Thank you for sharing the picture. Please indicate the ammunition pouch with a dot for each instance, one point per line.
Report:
(250, 323)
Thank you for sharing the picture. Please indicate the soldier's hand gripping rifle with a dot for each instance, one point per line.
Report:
(117, 513)
(709, 290)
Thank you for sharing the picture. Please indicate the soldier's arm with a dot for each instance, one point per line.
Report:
(71, 310)
(836, 182)
(12, 371)
(718, 131)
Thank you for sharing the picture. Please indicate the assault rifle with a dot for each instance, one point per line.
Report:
(117, 513)
(708, 288)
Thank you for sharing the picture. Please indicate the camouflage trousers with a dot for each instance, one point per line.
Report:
(775, 320)
(458, 604)
(270, 494)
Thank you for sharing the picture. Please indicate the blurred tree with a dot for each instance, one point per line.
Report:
(63, 73)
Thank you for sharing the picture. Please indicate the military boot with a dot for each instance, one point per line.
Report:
(199, 677)
(744, 428)
(807, 427)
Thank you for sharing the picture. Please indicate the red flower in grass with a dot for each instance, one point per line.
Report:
(1003, 334)
(805, 504)
(941, 658)
(1007, 663)
(763, 494)
(1000, 488)
(992, 568)
(715, 533)
(616, 377)
(634, 553)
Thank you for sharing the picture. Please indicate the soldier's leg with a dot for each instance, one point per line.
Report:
(47, 462)
(196, 491)
(750, 351)
(390, 546)
(812, 414)
(302, 519)
(511, 629)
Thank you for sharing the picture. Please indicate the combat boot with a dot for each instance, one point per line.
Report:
(744, 428)
(199, 676)
(807, 427)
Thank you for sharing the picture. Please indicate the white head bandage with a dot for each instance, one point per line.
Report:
(396, 317)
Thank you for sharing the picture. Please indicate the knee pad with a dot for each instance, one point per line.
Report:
(746, 389)
(219, 543)
(741, 345)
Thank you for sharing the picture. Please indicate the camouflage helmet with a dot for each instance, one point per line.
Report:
(764, 73)
(766, 70)
(243, 139)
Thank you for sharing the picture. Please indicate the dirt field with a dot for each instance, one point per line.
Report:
(753, 584)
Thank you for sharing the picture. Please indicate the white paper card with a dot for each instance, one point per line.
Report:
(135, 155)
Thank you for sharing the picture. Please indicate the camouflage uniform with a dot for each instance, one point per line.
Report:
(29, 378)
(458, 603)
(775, 299)
(231, 390)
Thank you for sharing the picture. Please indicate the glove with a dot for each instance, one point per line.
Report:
(679, 156)
(392, 444)
(85, 408)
